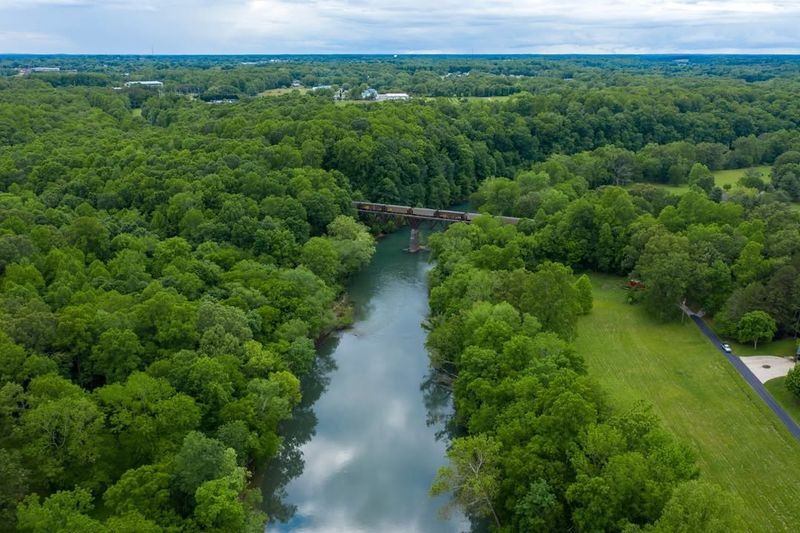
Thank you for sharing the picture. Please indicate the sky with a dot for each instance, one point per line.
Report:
(399, 26)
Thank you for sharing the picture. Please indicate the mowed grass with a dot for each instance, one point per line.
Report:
(788, 401)
(740, 443)
(732, 177)
(674, 189)
(721, 178)
(779, 348)
(283, 90)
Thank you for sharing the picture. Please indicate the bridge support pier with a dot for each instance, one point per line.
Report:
(414, 245)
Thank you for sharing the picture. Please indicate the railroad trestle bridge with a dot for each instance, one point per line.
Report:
(417, 216)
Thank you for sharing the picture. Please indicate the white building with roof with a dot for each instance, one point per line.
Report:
(154, 84)
(391, 96)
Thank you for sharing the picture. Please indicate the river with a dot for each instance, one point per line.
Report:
(362, 450)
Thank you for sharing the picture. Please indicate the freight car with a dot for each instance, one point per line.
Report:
(450, 215)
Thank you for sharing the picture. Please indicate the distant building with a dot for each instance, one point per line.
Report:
(391, 96)
(296, 84)
(682, 61)
(151, 84)
(369, 94)
(46, 69)
(321, 88)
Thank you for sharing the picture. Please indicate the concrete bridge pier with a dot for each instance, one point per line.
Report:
(414, 245)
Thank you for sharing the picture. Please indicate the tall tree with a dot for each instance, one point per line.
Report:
(755, 326)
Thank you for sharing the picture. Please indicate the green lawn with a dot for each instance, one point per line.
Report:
(724, 177)
(674, 189)
(284, 90)
(788, 401)
(721, 178)
(780, 348)
(740, 444)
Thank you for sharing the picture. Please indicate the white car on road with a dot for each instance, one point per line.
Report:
(726, 347)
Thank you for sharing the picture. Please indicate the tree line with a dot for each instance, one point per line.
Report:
(166, 265)
(538, 445)
(733, 254)
(160, 298)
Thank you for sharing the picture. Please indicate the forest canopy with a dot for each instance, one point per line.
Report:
(169, 256)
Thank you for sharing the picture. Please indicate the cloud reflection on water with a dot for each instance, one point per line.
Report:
(373, 457)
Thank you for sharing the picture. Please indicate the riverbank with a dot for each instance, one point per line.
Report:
(359, 454)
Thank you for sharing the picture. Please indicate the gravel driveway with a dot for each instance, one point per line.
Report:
(777, 367)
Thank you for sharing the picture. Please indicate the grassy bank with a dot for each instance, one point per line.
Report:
(788, 401)
(740, 444)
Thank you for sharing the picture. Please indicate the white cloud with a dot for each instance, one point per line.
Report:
(287, 26)
(324, 459)
(34, 39)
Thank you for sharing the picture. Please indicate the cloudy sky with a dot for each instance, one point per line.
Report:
(399, 26)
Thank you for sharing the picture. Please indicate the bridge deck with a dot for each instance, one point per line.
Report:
(423, 213)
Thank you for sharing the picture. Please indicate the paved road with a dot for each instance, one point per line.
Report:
(749, 377)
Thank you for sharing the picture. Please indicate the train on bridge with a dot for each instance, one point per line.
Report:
(423, 212)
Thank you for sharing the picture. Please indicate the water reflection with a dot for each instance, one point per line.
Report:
(436, 394)
(296, 432)
(366, 443)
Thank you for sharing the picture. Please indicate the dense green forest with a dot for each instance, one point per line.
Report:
(167, 265)
(543, 449)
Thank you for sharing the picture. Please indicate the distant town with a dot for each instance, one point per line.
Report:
(337, 93)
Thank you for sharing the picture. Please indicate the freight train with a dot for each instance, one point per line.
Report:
(423, 212)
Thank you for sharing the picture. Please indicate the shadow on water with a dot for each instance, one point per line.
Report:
(364, 445)
(297, 431)
(437, 395)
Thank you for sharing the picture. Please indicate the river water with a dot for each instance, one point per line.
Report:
(362, 450)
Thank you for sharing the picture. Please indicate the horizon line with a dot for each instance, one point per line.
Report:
(405, 54)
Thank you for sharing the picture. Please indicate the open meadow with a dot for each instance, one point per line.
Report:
(283, 90)
(732, 177)
(721, 178)
(740, 443)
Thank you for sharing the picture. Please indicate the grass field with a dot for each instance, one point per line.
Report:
(788, 401)
(725, 177)
(740, 443)
(721, 178)
(781, 348)
(283, 90)
(674, 189)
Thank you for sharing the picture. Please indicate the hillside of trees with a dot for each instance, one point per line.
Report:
(539, 446)
(166, 266)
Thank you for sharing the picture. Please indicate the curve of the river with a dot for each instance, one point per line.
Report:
(362, 450)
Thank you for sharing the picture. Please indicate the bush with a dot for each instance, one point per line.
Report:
(793, 381)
